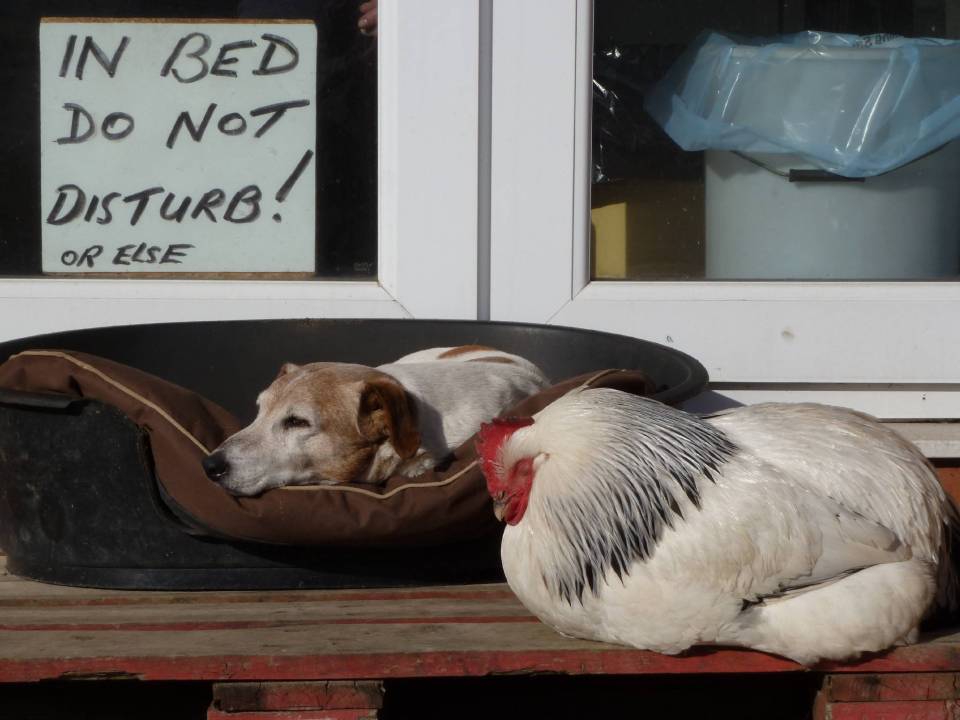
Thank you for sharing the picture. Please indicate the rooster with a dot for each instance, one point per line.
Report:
(808, 531)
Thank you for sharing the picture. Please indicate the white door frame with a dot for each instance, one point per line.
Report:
(428, 63)
(891, 348)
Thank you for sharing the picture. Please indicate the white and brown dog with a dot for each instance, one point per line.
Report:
(331, 423)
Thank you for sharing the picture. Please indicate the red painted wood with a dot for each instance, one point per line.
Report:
(390, 665)
(238, 636)
(950, 479)
(251, 624)
(234, 697)
(890, 687)
(820, 705)
(214, 714)
(604, 660)
(903, 710)
(277, 596)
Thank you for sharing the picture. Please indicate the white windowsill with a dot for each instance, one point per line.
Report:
(937, 440)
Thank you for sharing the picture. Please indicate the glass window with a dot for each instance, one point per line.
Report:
(726, 213)
(345, 112)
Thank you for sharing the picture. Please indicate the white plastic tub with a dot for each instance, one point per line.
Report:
(901, 225)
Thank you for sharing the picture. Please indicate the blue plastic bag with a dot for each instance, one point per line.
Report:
(851, 105)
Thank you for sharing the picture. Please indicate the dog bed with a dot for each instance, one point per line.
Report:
(444, 505)
(101, 483)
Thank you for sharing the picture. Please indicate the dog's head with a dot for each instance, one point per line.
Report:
(325, 423)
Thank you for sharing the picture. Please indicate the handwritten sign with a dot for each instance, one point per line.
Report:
(177, 146)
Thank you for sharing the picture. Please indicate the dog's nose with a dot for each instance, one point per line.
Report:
(215, 465)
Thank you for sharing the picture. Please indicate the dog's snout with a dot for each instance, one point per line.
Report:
(216, 466)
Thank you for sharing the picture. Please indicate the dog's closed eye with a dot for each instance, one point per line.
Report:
(295, 421)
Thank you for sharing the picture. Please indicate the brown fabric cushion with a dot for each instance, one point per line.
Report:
(436, 507)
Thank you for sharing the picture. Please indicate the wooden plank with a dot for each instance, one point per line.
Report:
(214, 714)
(905, 710)
(253, 624)
(31, 593)
(950, 479)
(330, 640)
(28, 593)
(249, 696)
(387, 652)
(51, 632)
(882, 688)
(253, 614)
(408, 664)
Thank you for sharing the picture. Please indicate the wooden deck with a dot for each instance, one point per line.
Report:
(305, 655)
(50, 632)
(295, 649)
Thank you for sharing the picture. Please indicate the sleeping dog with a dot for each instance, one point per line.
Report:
(331, 423)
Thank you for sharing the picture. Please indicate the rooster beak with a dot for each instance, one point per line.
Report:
(499, 505)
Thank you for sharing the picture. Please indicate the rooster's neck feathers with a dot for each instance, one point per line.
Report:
(611, 510)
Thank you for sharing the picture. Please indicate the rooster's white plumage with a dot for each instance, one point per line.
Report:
(808, 531)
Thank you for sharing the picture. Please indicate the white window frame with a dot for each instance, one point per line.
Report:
(888, 348)
(428, 63)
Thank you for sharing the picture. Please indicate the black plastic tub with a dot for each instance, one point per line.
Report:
(79, 504)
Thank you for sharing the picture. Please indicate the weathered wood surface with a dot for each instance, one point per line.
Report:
(317, 695)
(317, 700)
(48, 631)
(914, 696)
(855, 687)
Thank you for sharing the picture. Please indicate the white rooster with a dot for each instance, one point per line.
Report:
(808, 531)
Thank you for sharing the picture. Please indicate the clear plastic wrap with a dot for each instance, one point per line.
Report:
(852, 105)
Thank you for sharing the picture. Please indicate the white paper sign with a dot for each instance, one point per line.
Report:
(178, 146)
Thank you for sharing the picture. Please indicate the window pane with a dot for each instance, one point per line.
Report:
(731, 212)
(344, 166)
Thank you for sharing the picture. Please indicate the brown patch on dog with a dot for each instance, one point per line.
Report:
(386, 411)
(463, 350)
(350, 464)
(503, 360)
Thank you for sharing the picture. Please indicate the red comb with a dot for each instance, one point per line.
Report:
(492, 436)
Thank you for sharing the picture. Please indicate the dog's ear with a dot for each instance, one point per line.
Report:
(387, 411)
(287, 368)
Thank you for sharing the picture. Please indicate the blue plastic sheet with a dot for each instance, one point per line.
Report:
(853, 105)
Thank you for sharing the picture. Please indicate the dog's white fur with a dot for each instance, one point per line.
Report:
(330, 423)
